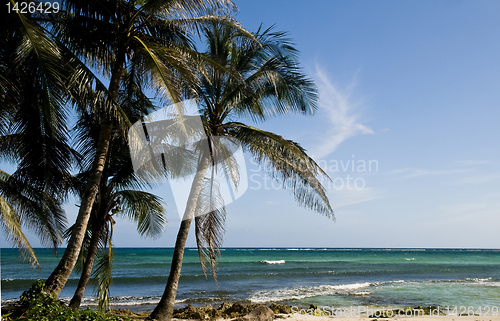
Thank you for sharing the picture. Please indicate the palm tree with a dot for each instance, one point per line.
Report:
(261, 79)
(117, 195)
(144, 208)
(39, 80)
(34, 87)
(108, 35)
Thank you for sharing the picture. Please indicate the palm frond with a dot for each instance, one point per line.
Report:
(209, 224)
(265, 78)
(103, 265)
(133, 97)
(37, 104)
(188, 8)
(35, 209)
(197, 24)
(222, 152)
(289, 164)
(10, 222)
(144, 208)
(155, 58)
(103, 276)
(89, 32)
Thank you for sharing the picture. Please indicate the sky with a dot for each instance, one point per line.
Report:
(406, 127)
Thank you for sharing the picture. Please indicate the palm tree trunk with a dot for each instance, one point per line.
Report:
(87, 267)
(165, 307)
(60, 275)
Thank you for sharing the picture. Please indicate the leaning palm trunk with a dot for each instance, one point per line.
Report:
(165, 307)
(57, 280)
(87, 267)
(60, 275)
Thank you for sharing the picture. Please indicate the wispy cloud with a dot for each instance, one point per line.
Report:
(404, 173)
(485, 171)
(346, 197)
(342, 113)
(477, 179)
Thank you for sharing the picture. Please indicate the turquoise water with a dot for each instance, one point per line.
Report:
(329, 277)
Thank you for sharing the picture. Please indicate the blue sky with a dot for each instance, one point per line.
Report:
(413, 87)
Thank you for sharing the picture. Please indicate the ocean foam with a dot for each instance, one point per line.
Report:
(478, 280)
(360, 293)
(135, 300)
(125, 301)
(274, 262)
(307, 292)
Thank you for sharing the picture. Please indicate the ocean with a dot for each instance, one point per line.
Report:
(297, 277)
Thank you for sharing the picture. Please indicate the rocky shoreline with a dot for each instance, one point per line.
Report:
(262, 312)
(226, 310)
(259, 312)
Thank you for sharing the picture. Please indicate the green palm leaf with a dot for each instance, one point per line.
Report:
(103, 276)
(33, 66)
(10, 222)
(145, 209)
(209, 227)
(38, 211)
(289, 164)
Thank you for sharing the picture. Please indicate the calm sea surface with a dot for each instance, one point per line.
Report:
(329, 277)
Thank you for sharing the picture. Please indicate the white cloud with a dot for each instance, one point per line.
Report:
(341, 112)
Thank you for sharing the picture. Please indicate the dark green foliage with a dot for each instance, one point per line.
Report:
(36, 304)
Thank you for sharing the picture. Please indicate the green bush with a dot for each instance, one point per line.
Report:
(38, 305)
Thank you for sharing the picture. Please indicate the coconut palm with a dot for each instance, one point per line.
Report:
(34, 87)
(39, 80)
(260, 80)
(145, 209)
(108, 35)
(117, 196)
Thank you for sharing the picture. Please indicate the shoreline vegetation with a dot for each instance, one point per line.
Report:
(240, 312)
(37, 304)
